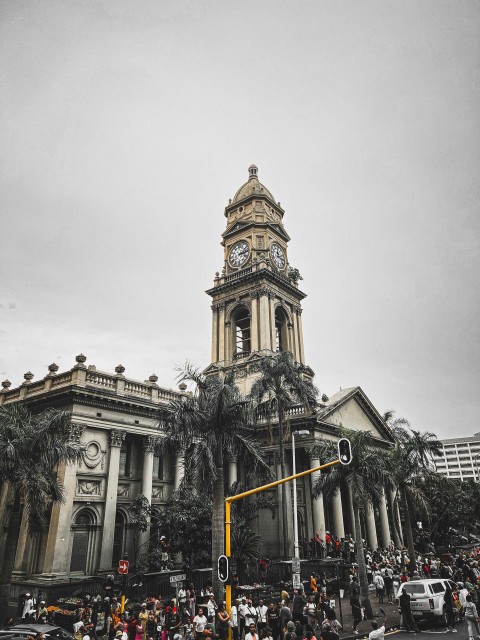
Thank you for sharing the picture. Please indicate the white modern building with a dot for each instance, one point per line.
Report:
(460, 458)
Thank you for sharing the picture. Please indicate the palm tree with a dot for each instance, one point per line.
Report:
(280, 385)
(207, 427)
(410, 460)
(364, 478)
(32, 449)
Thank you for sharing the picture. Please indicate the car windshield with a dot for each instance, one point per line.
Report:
(414, 588)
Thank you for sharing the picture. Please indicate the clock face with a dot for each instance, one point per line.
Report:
(239, 254)
(278, 257)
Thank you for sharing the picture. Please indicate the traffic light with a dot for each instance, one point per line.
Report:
(223, 568)
(344, 451)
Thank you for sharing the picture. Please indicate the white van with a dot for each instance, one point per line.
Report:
(426, 598)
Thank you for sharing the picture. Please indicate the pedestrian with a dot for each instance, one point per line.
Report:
(378, 633)
(221, 622)
(261, 617)
(406, 613)
(242, 609)
(356, 611)
(234, 619)
(472, 618)
(199, 623)
(449, 608)
(273, 619)
(379, 583)
(251, 635)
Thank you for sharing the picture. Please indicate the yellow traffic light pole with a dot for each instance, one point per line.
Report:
(245, 494)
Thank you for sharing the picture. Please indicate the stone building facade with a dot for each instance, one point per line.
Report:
(256, 311)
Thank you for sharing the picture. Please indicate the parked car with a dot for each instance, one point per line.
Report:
(50, 631)
(426, 598)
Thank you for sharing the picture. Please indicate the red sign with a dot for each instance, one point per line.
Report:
(123, 566)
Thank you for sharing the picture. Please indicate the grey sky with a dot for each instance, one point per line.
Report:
(126, 126)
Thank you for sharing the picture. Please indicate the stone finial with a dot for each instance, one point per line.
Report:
(28, 376)
(53, 368)
(153, 378)
(252, 171)
(119, 369)
(183, 387)
(80, 360)
(6, 384)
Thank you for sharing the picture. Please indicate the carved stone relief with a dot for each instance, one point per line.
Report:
(93, 455)
(88, 487)
(157, 493)
(123, 491)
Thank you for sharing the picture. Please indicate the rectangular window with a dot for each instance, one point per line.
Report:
(158, 467)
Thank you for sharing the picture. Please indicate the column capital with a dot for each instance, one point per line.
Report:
(76, 431)
(117, 437)
(149, 444)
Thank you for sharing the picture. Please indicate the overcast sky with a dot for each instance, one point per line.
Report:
(127, 125)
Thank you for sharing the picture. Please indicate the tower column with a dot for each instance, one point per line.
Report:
(116, 439)
(300, 336)
(265, 341)
(371, 529)
(178, 471)
(273, 337)
(254, 321)
(317, 503)
(221, 331)
(214, 333)
(296, 348)
(147, 478)
(338, 528)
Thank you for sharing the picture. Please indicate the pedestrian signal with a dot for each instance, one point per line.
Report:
(223, 568)
(344, 451)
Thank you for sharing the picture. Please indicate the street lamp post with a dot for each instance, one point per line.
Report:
(296, 551)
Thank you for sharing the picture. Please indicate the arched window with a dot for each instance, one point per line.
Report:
(241, 320)
(281, 341)
(81, 538)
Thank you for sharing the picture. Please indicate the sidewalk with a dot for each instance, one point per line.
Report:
(364, 628)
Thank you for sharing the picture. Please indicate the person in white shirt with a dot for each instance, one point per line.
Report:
(242, 610)
(250, 614)
(199, 623)
(211, 607)
(378, 633)
(234, 619)
(251, 635)
(261, 617)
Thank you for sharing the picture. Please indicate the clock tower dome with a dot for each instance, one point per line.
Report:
(256, 302)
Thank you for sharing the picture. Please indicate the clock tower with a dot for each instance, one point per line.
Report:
(256, 302)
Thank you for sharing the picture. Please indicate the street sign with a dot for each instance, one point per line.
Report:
(123, 566)
(180, 578)
(296, 583)
(295, 565)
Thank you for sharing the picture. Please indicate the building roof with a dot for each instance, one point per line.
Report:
(252, 187)
(474, 438)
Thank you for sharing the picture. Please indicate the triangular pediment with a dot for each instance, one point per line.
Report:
(351, 409)
(241, 225)
(238, 225)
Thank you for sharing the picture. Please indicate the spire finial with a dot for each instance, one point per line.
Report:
(252, 171)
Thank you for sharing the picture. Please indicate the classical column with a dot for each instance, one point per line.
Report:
(232, 471)
(214, 333)
(228, 348)
(273, 337)
(24, 547)
(59, 531)
(338, 529)
(317, 503)
(370, 524)
(254, 321)
(116, 439)
(296, 348)
(148, 446)
(265, 341)
(179, 471)
(221, 331)
(384, 526)
(300, 335)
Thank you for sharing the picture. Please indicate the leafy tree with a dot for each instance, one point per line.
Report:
(33, 451)
(281, 384)
(364, 478)
(212, 423)
(410, 460)
(139, 516)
